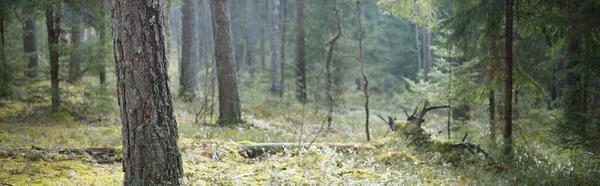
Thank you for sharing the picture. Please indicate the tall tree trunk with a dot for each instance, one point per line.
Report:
(202, 49)
(282, 21)
(236, 34)
(75, 55)
(418, 47)
(426, 52)
(104, 41)
(274, 47)
(492, 91)
(250, 39)
(266, 28)
(53, 26)
(365, 86)
(210, 46)
(149, 127)
(190, 64)
(4, 73)
(508, 78)
(30, 42)
(331, 45)
(300, 53)
(229, 102)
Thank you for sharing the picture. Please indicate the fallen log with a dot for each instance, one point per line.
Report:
(97, 155)
(259, 149)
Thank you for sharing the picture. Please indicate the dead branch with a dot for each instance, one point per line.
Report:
(258, 149)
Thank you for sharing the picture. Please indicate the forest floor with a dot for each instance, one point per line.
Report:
(32, 150)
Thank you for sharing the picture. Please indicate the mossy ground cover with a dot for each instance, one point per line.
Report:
(210, 154)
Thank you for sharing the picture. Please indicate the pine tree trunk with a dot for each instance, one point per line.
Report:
(190, 64)
(418, 48)
(30, 42)
(274, 47)
(236, 34)
(53, 26)
(75, 55)
(492, 91)
(104, 41)
(365, 87)
(229, 103)
(508, 81)
(202, 39)
(250, 39)
(4, 73)
(426, 52)
(282, 21)
(300, 53)
(266, 28)
(149, 128)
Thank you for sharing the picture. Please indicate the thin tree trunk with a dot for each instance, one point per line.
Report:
(236, 34)
(273, 47)
(418, 48)
(75, 55)
(229, 103)
(300, 53)
(103, 33)
(331, 46)
(149, 127)
(250, 39)
(426, 52)
(266, 28)
(53, 26)
(4, 73)
(190, 64)
(492, 91)
(282, 21)
(202, 39)
(208, 16)
(508, 81)
(362, 69)
(30, 42)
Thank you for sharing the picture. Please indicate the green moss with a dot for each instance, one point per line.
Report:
(10, 109)
(72, 172)
(395, 157)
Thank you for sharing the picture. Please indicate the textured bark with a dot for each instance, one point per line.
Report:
(190, 64)
(250, 39)
(492, 91)
(365, 86)
(508, 78)
(282, 21)
(300, 53)
(149, 128)
(229, 102)
(75, 55)
(274, 47)
(53, 27)
(30, 42)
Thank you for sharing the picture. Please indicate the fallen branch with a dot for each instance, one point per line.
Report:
(258, 149)
(98, 155)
